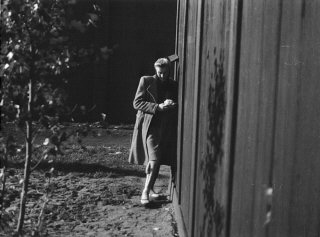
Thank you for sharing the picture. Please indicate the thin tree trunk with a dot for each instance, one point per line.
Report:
(27, 170)
(3, 191)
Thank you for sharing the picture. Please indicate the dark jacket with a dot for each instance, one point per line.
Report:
(146, 103)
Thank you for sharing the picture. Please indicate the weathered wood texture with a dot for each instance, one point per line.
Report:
(255, 125)
(278, 129)
(296, 176)
(202, 164)
(211, 161)
(249, 131)
(186, 179)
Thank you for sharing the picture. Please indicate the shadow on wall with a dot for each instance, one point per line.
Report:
(214, 213)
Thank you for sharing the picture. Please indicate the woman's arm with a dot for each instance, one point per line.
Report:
(140, 102)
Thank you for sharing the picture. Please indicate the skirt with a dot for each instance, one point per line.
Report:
(153, 144)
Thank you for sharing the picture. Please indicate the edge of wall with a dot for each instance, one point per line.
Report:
(178, 214)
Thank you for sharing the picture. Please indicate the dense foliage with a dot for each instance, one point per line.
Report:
(41, 43)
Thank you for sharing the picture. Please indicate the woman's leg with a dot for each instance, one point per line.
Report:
(152, 171)
(153, 166)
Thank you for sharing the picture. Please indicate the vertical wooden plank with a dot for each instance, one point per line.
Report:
(285, 120)
(233, 35)
(181, 78)
(195, 126)
(201, 220)
(247, 164)
(296, 206)
(175, 74)
(188, 105)
(182, 52)
(257, 105)
(177, 42)
(307, 188)
(266, 115)
(210, 206)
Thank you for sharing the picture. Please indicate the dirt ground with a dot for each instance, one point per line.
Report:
(94, 192)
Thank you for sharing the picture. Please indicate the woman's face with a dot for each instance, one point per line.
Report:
(162, 73)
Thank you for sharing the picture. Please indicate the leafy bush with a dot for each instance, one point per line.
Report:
(41, 44)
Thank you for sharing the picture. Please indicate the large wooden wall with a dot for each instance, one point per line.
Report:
(249, 130)
(205, 78)
(278, 121)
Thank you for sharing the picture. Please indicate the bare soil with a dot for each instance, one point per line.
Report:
(93, 192)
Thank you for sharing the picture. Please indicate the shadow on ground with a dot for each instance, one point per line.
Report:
(84, 168)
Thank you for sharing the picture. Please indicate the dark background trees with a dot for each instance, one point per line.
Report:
(141, 31)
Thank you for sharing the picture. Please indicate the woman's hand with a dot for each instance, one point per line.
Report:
(163, 107)
(167, 104)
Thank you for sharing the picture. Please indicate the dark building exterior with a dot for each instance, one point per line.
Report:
(249, 131)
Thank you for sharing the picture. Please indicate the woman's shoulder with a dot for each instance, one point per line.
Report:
(147, 79)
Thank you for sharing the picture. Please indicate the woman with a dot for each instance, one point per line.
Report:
(154, 135)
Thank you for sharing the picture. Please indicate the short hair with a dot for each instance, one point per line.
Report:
(162, 62)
